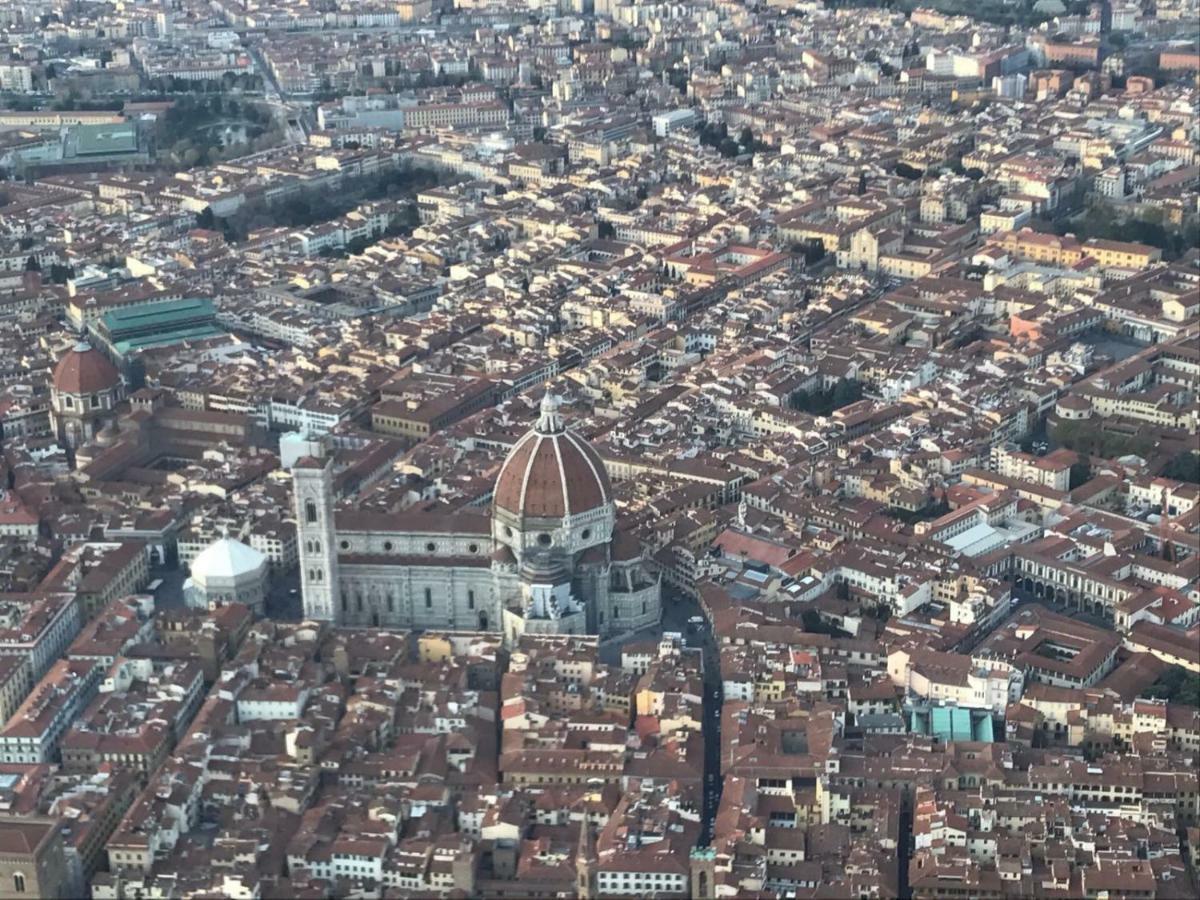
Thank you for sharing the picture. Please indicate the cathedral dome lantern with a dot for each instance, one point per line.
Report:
(553, 489)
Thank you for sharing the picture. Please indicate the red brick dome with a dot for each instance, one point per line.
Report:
(552, 472)
(84, 370)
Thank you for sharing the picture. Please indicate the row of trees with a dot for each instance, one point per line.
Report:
(68, 101)
(313, 206)
(716, 135)
(1091, 439)
(56, 274)
(1184, 466)
(1104, 221)
(814, 624)
(926, 513)
(996, 12)
(813, 250)
(170, 84)
(1178, 686)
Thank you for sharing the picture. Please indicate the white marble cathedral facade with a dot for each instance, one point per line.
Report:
(547, 559)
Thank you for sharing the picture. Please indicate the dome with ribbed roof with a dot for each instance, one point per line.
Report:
(84, 370)
(551, 472)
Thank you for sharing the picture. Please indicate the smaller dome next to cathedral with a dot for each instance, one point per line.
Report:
(84, 370)
(227, 571)
(227, 558)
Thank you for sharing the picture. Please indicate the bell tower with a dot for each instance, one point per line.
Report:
(312, 487)
(585, 862)
(703, 865)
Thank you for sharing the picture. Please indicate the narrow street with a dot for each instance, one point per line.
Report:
(713, 782)
(677, 610)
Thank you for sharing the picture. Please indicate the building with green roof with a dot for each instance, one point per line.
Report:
(105, 139)
(123, 332)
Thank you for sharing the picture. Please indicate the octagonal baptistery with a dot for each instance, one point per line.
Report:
(553, 493)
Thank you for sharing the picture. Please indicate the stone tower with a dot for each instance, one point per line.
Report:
(585, 862)
(316, 538)
(704, 872)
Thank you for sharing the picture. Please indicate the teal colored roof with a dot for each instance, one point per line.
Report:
(198, 332)
(105, 138)
(164, 313)
(950, 723)
(985, 731)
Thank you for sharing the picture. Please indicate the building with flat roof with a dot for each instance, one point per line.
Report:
(103, 139)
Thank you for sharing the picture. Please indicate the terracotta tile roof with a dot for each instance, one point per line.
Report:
(84, 370)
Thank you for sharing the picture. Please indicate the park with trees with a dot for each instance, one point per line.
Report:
(312, 206)
(199, 130)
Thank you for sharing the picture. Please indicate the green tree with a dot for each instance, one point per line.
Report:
(1176, 685)
(713, 133)
(1184, 466)
(1104, 221)
(1081, 473)
(814, 624)
(822, 403)
(845, 392)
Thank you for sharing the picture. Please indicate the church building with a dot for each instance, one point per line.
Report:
(547, 559)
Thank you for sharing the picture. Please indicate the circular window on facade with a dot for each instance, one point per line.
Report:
(473, 548)
(387, 545)
(430, 547)
(544, 539)
(507, 531)
(345, 545)
(586, 534)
